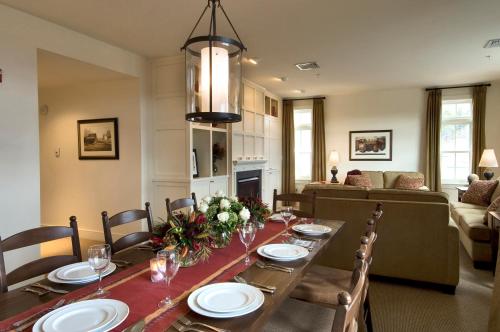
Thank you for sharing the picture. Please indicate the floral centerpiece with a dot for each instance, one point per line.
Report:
(189, 233)
(259, 210)
(224, 214)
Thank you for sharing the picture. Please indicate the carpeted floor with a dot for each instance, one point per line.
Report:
(403, 308)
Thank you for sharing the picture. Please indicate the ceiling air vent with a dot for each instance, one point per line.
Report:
(492, 43)
(307, 65)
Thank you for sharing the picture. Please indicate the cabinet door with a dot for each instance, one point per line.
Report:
(248, 97)
(200, 188)
(218, 184)
(259, 102)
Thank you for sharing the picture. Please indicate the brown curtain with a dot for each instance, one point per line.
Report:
(318, 141)
(288, 166)
(478, 131)
(432, 167)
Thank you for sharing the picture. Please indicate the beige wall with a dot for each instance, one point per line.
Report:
(493, 120)
(84, 188)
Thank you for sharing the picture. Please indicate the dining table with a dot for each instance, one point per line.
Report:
(131, 283)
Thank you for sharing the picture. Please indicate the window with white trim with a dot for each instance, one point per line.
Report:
(302, 119)
(456, 140)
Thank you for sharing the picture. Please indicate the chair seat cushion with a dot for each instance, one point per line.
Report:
(473, 226)
(322, 284)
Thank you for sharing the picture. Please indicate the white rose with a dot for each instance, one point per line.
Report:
(234, 198)
(223, 216)
(207, 199)
(219, 193)
(245, 214)
(203, 207)
(224, 204)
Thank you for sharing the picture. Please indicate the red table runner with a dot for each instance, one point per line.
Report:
(134, 287)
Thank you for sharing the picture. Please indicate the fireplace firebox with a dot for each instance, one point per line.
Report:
(249, 183)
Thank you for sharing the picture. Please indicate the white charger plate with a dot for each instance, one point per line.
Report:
(227, 297)
(278, 218)
(261, 252)
(312, 229)
(76, 272)
(81, 318)
(193, 305)
(283, 250)
(52, 276)
(121, 308)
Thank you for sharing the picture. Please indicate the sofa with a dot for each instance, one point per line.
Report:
(417, 241)
(474, 234)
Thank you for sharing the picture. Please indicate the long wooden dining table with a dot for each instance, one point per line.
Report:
(131, 284)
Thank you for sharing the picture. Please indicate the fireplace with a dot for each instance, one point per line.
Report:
(249, 183)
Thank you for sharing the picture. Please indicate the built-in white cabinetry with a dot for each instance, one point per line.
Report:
(209, 186)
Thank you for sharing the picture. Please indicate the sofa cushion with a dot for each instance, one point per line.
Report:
(408, 182)
(496, 193)
(494, 206)
(408, 195)
(362, 180)
(458, 212)
(391, 177)
(352, 172)
(377, 178)
(473, 226)
(479, 192)
(336, 191)
(462, 205)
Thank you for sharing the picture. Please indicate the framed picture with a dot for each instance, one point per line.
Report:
(98, 139)
(370, 145)
(194, 163)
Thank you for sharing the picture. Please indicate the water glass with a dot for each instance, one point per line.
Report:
(99, 258)
(168, 265)
(286, 214)
(247, 235)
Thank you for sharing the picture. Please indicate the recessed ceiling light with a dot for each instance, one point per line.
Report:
(283, 79)
(299, 91)
(307, 65)
(492, 43)
(254, 61)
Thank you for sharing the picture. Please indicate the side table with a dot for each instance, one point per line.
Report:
(461, 190)
(494, 223)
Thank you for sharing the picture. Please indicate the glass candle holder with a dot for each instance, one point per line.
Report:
(154, 266)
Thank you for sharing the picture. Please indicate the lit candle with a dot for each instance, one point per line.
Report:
(154, 266)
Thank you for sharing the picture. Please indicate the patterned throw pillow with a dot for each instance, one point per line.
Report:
(479, 192)
(353, 172)
(362, 180)
(494, 206)
(409, 182)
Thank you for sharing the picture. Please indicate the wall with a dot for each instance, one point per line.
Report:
(493, 120)
(402, 110)
(20, 37)
(84, 188)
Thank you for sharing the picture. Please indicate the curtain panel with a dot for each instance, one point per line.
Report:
(288, 144)
(433, 132)
(318, 142)
(478, 130)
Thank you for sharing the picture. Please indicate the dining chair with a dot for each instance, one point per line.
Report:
(307, 203)
(43, 265)
(181, 204)
(126, 217)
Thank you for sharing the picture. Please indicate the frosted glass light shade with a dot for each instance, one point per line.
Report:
(220, 79)
(334, 158)
(488, 159)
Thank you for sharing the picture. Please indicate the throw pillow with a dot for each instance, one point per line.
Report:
(353, 172)
(409, 182)
(479, 192)
(494, 206)
(362, 180)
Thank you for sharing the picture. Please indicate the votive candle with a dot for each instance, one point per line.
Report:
(154, 266)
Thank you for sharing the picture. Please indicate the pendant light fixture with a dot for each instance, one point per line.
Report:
(213, 72)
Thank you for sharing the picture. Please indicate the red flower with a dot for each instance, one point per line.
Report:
(196, 246)
(200, 219)
(157, 241)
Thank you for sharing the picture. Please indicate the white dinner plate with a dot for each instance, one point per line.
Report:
(283, 250)
(76, 272)
(278, 218)
(261, 252)
(312, 229)
(52, 276)
(193, 305)
(121, 308)
(227, 297)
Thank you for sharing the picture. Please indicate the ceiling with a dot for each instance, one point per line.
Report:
(359, 44)
(56, 70)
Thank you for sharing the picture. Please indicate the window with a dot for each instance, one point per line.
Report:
(303, 143)
(456, 140)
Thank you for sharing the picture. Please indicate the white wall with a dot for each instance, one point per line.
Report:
(20, 37)
(401, 110)
(493, 120)
(84, 188)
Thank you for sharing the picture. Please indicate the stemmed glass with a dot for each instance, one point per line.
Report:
(99, 258)
(247, 235)
(168, 265)
(286, 214)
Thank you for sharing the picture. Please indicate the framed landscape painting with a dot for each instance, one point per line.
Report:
(370, 145)
(98, 139)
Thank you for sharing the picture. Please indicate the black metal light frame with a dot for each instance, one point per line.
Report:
(212, 38)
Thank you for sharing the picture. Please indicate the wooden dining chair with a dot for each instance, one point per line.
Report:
(126, 217)
(181, 203)
(307, 203)
(43, 265)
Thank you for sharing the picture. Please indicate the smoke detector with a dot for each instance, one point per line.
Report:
(307, 65)
(492, 43)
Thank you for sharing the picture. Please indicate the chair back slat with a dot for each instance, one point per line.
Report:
(42, 265)
(307, 201)
(126, 217)
(181, 203)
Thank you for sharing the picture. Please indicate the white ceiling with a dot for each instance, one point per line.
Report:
(359, 44)
(56, 70)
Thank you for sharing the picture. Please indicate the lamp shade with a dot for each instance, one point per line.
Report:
(488, 159)
(334, 157)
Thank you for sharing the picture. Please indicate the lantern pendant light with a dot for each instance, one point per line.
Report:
(213, 72)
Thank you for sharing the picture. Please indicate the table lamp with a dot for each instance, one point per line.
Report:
(488, 159)
(334, 160)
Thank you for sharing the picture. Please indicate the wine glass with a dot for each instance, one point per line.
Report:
(247, 235)
(286, 214)
(99, 258)
(168, 265)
